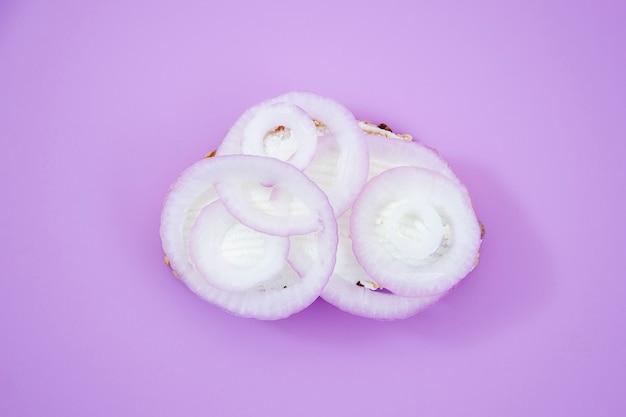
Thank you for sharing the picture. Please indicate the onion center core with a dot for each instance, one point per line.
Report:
(414, 230)
(280, 143)
(281, 131)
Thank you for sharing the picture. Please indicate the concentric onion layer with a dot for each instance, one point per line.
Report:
(228, 259)
(351, 288)
(340, 169)
(414, 231)
(231, 256)
(288, 128)
(277, 130)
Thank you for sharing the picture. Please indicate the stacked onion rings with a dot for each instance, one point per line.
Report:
(302, 200)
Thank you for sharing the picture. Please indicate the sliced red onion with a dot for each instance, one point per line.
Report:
(414, 231)
(278, 130)
(200, 239)
(351, 289)
(346, 166)
(249, 232)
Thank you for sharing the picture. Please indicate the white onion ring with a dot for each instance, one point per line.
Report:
(348, 164)
(395, 267)
(291, 290)
(278, 130)
(351, 288)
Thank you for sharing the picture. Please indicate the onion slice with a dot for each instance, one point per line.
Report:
(414, 231)
(277, 130)
(196, 223)
(231, 256)
(276, 201)
(301, 200)
(351, 288)
(345, 164)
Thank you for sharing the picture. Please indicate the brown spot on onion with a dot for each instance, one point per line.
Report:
(167, 262)
(318, 123)
(382, 130)
(476, 261)
(370, 285)
(385, 127)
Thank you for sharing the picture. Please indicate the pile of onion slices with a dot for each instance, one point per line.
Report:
(301, 200)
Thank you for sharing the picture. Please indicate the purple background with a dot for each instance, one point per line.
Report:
(104, 103)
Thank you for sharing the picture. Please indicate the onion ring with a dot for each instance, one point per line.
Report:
(414, 205)
(283, 289)
(346, 167)
(277, 130)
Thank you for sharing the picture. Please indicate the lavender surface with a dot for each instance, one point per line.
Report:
(104, 103)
